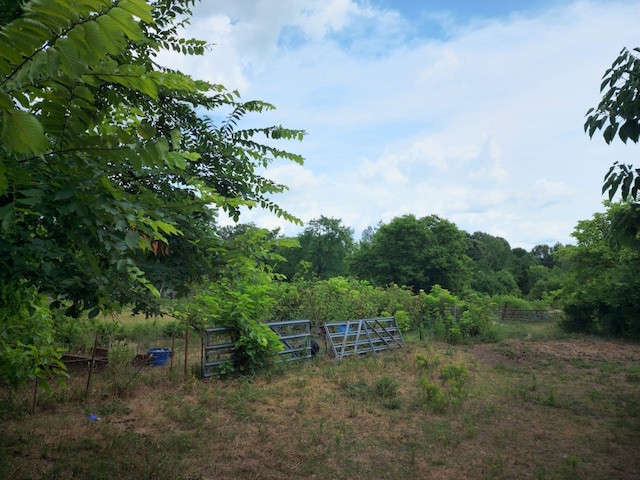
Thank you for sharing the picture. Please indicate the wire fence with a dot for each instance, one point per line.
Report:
(181, 351)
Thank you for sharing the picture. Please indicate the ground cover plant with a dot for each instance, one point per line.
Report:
(538, 403)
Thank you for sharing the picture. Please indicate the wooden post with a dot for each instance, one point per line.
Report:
(35, 396)
(186, 350)
(201, 355)
(91, 365)
(173, 349)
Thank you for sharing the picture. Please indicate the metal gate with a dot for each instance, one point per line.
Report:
(218, 344)
(362, 336)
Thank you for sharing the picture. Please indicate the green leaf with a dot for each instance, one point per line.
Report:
(140, 9)
(23, 133)
(70, 62)
(112, 36)
(626, 185)
(630, 131)
(610, 132)
(132, 239)
(177, 160)
(175, 138)
(127, 24)
(64, 194)
(162, 148)
(5, 101)
(8, 216)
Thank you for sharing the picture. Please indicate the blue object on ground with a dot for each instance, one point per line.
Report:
(159, 356)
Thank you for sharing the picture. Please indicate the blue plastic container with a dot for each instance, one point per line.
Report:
(342, 328)
(159, 356)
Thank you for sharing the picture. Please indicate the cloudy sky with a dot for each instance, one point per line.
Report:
(467, 109)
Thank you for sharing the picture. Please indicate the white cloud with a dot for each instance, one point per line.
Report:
(483, 128)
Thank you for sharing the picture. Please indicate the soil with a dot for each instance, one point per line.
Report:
(588, 350)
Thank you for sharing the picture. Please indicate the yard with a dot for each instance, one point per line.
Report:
(538, 404)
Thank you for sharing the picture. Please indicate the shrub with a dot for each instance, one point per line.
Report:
(476, 322)
(256, 346)
(71, 332)
(453, 373)
(119, 377)
(438, 397)
(386, 387)
(455, 335)
(511, 301)
(27, 350)
(175, 328)
(109, 331)
(432, 395)
(403, 321)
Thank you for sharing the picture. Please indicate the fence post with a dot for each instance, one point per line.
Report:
(173, 350)
(35, 396)
(91, 365)
(186, 350)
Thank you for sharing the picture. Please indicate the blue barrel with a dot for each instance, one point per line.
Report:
(159, 356)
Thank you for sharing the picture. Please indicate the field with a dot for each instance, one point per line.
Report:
(537, 404)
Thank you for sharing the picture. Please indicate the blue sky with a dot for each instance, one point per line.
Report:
(470, 110)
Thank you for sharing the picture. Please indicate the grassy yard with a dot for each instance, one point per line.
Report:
(535, 405)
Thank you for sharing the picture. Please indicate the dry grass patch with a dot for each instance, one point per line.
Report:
(523, 412)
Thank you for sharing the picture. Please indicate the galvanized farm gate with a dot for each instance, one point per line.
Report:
(362, 336)
(218, 344)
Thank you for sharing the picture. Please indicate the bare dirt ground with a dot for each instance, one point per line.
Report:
(587, 350)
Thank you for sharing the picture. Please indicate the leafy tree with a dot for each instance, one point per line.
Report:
(546, 283)
(415, 252)
(108, 169)
(544, 254)
(396, 254)
(111, 173)
(619, 113)
(519, 268)
(324, 246)
(488, 252)
(241, 300)
(27, 349)
(599, 293)
(494, 283)
(491, 258)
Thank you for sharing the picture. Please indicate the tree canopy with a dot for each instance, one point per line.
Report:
(324, 246)
(600, 283)
(416, 252)
(618, 113)
(110, 171)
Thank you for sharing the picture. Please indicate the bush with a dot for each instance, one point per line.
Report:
(71, 333)
(432, 395)
(438, 397)
(27, 350)
(256, 346)
(476, 323)
(119, 376)
(511, 301)
(386, 387)
(109, 331)
(403, 321)
(175, 328)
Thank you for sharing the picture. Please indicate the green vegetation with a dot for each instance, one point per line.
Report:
(559, 408)
(111, 176)
(601, 280)
(111, 179)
